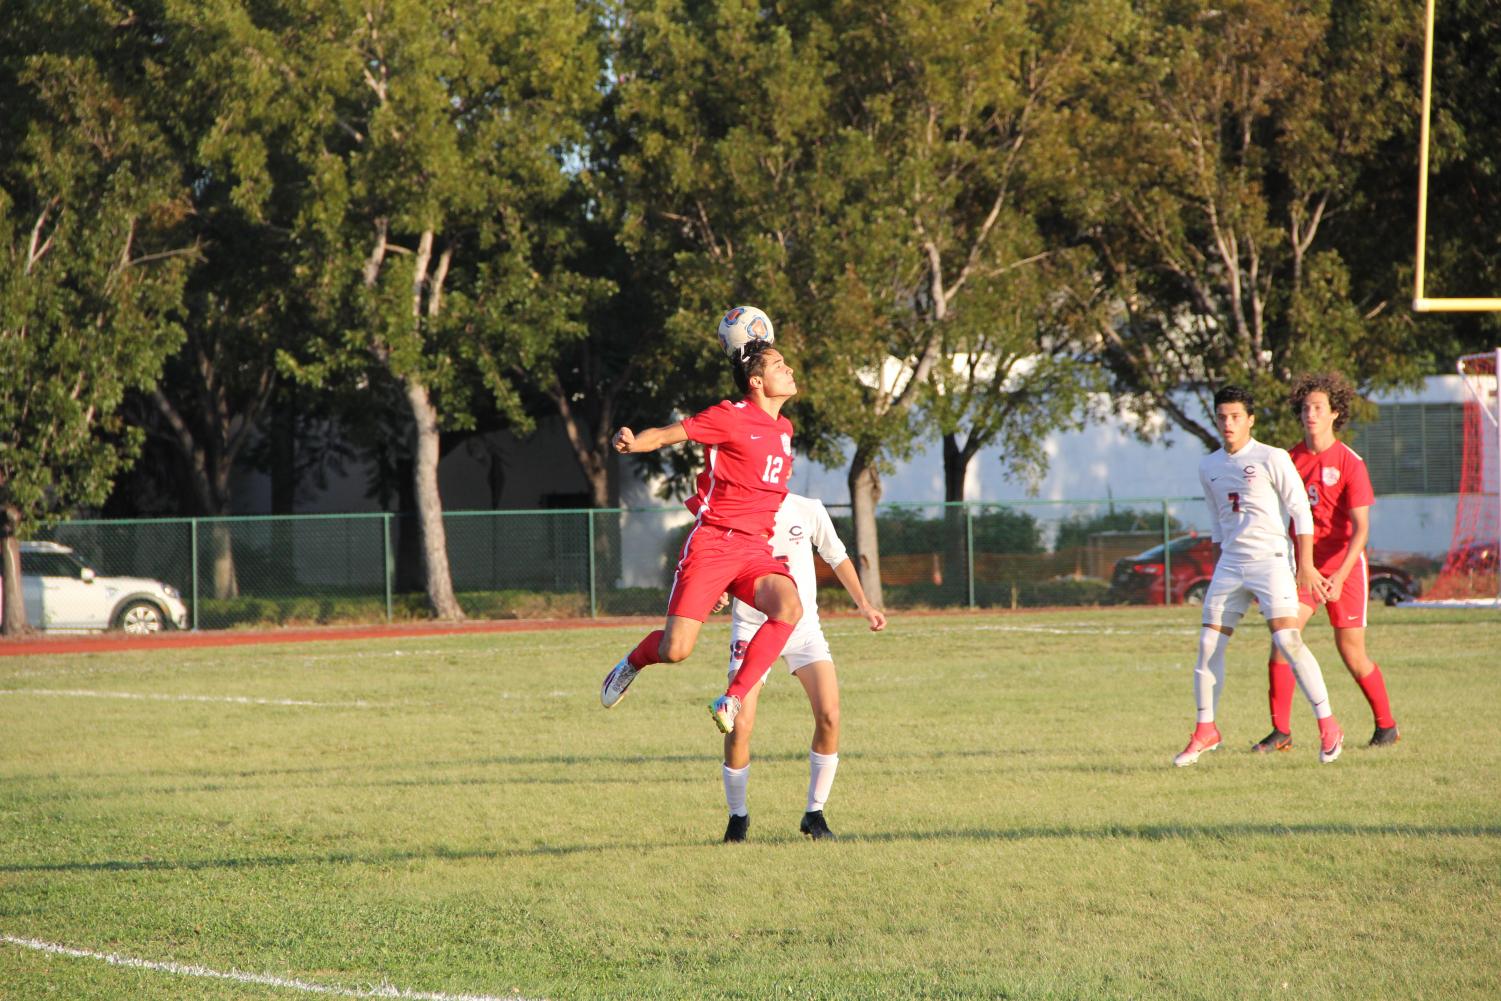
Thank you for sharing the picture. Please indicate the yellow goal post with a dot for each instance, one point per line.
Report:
(1421, 301)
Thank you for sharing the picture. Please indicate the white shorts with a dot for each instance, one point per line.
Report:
(805, 646)
(1270, 581)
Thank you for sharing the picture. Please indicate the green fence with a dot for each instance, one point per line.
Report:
(306, 569)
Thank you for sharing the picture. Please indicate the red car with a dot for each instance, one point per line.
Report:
(1140, 579)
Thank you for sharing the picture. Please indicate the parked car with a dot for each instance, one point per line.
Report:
(1140, 579)
(62, 594)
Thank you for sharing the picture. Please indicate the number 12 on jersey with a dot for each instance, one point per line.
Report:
(773, 470)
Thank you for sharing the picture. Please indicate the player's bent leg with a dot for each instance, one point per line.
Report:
(625, 670)
(679, 637)
(1279, 691)
(776, 596)
(1289, 640)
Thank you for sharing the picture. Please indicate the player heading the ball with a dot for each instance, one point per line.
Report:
(749, 463)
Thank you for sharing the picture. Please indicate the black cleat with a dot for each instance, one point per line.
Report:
(814, 827)
(738, 826)
(1274, 741)
(1385, 736)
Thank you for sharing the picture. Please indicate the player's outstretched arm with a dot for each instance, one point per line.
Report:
(626, 441)
(847, 575)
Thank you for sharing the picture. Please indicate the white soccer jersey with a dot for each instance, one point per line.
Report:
(1252, 495)
(802, 525)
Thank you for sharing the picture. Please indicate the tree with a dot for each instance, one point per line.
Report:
(1217, 149)
(427, 141)
(863, 179)
(91, 263)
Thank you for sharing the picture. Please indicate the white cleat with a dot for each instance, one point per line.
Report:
(724, 710)
(616, 682)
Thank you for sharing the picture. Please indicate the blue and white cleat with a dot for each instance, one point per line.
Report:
(616, 682)
(724, 710)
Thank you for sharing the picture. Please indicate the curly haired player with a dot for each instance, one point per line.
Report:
(1340, 496)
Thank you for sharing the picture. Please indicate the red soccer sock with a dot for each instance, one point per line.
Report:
(646, 651)
(1279, 693)
(760, 654)
(1374, 686)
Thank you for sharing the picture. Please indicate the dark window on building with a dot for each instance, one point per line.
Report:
(1413, 448)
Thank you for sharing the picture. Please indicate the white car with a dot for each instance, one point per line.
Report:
(64, 595)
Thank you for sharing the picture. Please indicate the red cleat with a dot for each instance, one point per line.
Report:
(1206, 737)
(1331, 739)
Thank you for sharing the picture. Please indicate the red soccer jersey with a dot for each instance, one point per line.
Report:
(749, 463)
(1337, 483)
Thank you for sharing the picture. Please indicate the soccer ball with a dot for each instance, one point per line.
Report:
(742, 325)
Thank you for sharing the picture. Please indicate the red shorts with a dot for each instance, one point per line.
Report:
(1347, 610)
(716, 560)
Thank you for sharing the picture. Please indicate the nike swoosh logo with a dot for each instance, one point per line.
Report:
(1213, 478)
(755, 437)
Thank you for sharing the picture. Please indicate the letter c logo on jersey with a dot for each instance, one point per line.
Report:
(1249, 471)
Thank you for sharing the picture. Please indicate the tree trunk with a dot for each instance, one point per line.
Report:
(430, 505)
(865, 492)
(13, 616)
(221, 543)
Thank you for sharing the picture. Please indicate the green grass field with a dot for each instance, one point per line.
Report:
(457, 815)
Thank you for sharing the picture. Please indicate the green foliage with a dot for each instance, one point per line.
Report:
(996, 530)
(1022, 592)
(91, 263)
(1217, 148)
(1076, 530)
(325, 610)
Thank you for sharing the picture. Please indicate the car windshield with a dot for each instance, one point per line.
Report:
(1179, 545)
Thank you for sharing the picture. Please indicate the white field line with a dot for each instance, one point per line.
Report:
(1054, 630)
(243, 700)
(264, 979)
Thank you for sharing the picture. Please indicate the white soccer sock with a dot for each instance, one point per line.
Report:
(821, 769)
(736, 780)
(1209, 672)
(1305, 669)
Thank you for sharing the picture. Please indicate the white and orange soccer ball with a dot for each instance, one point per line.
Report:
(742, 325)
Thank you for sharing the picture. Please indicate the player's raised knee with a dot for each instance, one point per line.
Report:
(675, 649)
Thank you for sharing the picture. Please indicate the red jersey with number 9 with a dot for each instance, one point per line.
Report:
(1337, 482)
(749, 464)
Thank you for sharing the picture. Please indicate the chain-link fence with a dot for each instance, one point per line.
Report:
(306, 569)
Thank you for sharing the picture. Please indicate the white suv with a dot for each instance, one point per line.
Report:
(64, 595)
